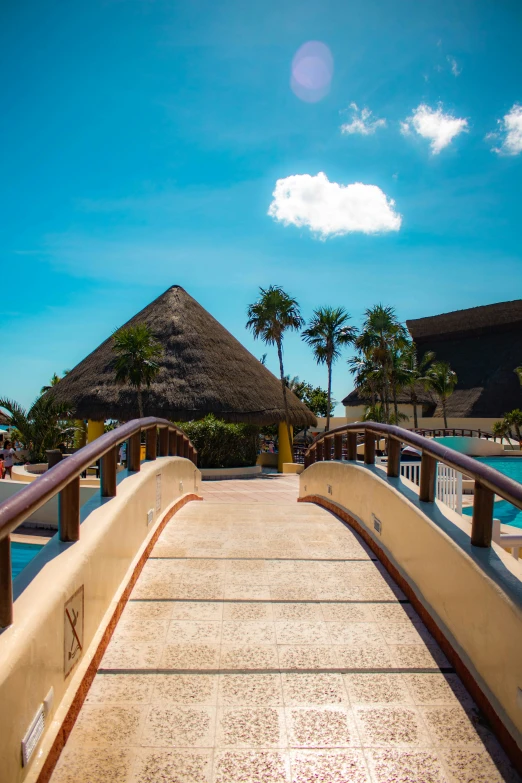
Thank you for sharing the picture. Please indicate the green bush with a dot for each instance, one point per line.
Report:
(222, 445)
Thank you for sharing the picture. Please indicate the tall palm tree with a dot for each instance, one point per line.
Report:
(417, 374)
(381, 332)
(441, 379)
(54, 380)
(367, 378)
(327, 333)
(399, 378)
(45, 425)
(137, 352)
(275, 313)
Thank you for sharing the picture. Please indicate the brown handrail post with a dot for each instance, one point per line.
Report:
(338, 446)
(152, 443)
(134, 452)
(369, 447)
(195, 456)
(179, 443)
(482, 522)
(108, 471)
(427, 478)
(172, 443)
(319, 451)
(313, 455)
(327, 448)
(6, 583)
(352, 447)
(186, 447)
(164, 442)
(69, 511)
(394, 458)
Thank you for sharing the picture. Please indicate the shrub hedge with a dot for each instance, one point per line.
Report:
(222, 445)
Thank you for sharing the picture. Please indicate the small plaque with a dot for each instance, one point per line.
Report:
(73, 631)
(158, 491)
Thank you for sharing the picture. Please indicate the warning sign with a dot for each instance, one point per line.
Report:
(73, 631)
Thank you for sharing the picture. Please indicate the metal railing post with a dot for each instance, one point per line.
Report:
(172, 443)
(427, 478)
(338, 447)
(394, 458)
(69, 511)
(352, 447)
(482, 522)
(6, 583)
(152, 443)
(369, 447)
(164, 442)
(134, 452)
(108, 470)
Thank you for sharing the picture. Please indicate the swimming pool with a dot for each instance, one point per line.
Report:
(506, 512)
(21, 554)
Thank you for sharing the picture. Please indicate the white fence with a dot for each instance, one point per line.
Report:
(449, 483)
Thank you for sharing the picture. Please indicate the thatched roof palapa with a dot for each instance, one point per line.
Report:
(204, 369)
(483, 345)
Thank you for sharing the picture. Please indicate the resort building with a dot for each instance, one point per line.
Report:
(483, 345)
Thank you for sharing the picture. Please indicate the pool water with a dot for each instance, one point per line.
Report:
(21, 554)
(506, 512)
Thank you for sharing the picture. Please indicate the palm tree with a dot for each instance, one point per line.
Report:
(511, 421)
(381, 332)
(518, 373)
(327, 333)
(417, 374)
(275, 313)
(367, 377)
(137, 353)
(54, 380)
(43, 426)
(441, 379)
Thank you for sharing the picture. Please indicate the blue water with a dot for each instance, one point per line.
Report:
(506, 512)
(21, 554)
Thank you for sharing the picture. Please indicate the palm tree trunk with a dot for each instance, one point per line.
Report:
(329, 396)
(140, 403)
(413, 400)
(444, 413)
(283, 385)
(395, 406)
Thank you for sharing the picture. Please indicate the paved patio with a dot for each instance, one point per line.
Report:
(264, 644)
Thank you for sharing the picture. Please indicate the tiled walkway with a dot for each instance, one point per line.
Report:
(263, 644)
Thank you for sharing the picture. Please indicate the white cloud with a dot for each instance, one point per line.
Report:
(362, 122)
(435, 125)
(510, 132)
(330, 209)
(455, 70)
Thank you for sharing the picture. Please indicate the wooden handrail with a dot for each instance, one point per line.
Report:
(64, 479)
(488, 481)
(461, 432)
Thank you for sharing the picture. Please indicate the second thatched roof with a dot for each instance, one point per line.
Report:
(204, 370)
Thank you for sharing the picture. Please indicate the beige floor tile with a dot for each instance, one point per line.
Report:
(193, 631)
(86, 765)
(190, 656)
(347, 613)
(301, 632)
(199, 611)
(356, 634)
(146, 610)
(253, 656)
(289, 591)
(125, 654)
(418, 656)
(156, 588)
(108, 724)
(394, 613)
(250, 689)
(209, 590)
(261, 766)
(406, 766)
(179, 727)
(329, 766)
(251, 727)
(126, 688)
(406, 633)
(389, 726)
(321, 727)
(142, 630)
(479, 766)
(438, 689)
(246, 633)
(153, 765)
(297, 611)
(245, 612)
(377, 689)
(247, 592)
(455, 726)
(305, 689)
(185, 689)
(361, 657)
(306, 656)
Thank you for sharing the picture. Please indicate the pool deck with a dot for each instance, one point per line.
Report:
(264, 643)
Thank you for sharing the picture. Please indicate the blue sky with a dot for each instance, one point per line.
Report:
(142, 142)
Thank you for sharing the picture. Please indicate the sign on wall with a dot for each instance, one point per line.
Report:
(73, 631)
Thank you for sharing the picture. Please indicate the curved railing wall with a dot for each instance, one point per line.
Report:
(488, 481)
(162, 439)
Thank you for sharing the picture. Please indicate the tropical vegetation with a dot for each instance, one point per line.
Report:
(44, 425)
(137, 363)
(222, 445)
(441, 380)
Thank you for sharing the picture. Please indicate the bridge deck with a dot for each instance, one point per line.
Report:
(264, 644)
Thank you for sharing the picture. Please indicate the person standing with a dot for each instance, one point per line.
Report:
(9, 456)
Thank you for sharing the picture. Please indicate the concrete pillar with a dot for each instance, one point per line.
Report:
(95, 429)
(285, 448)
